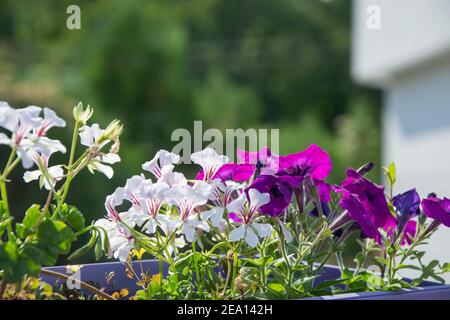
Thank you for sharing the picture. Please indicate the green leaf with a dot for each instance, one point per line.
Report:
(330, 283)
(72, 216)
(29, 223)
(391, 173)
(446, 268)
(437, 278)
(278, 287)
(8, 251)
(54, 238)
(432, 265)
(381, 260)
(8, 260)
(408, 266)
(347, 274)
(416, 282)
(3, 211)
(4, 225)
(84, 249)
(32, 252)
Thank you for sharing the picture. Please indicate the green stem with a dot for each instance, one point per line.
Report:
(70, 169)
(235, 265)
(4, 193)
(228, 274)
(282, 243)
(2, 288)
(197, 270)
(161, 276)
(263, 266)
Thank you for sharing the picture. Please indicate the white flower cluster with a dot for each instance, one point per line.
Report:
(26, 134)
(181, 209)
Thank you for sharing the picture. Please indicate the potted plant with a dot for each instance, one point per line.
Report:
(262, 228)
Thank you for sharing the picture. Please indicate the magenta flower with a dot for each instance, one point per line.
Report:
(437, 209)
(366, 204)
(312, 162)
(280, 194)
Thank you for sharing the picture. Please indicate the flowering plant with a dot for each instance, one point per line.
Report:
(46, 231)
(261, 228)
(266, 226)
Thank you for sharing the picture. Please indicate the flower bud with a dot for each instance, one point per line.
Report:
(80, 115)
(114, 130)
(366, 168)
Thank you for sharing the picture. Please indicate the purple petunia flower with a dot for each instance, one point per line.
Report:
(407, 205)
(366, 204)
(437, 209)
(231, 171)
(280, 194)
(312, 162)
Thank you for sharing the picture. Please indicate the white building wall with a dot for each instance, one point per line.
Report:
(411, 32)
(409, 58)
(416, 136)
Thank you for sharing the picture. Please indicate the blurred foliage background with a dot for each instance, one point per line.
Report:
(159, 65)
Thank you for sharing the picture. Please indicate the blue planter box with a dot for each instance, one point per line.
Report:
(97, 273)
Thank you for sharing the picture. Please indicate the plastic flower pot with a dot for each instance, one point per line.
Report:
(99, 274)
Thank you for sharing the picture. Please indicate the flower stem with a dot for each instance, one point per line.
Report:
(229, 256)
(262, 254)
(70, 169)
(84, 285)
(4, 193)
(282, 244)
(197, 270)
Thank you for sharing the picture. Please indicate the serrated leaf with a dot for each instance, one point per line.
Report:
(29, 223)
(54, 238)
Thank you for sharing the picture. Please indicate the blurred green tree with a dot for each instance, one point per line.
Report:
(159, 65)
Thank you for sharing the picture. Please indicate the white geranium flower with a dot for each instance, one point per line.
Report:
(168, 223)
(28, 131)
(245, 210)
(50, 120)
(215, 215)
(152, 197)
(187, 198)
(223, 192)
(120, 240)
(97, 163)
(89, 135)
(162, 163)
(47, 176)
(112, 201)
(287, 234)
(173, 178)
(210, 162)
(190, 226)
